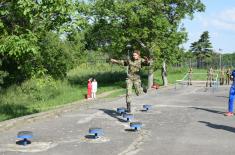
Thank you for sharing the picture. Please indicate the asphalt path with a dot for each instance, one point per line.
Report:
(188, 120)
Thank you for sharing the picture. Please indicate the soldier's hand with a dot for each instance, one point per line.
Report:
(146, 58)
(113, 60)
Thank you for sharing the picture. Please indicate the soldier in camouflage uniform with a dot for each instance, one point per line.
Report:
(228, 73)
(222, 75)
(190, 72)
(133, 77)
(209, 77)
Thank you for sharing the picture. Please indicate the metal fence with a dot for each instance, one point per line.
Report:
(198, 79)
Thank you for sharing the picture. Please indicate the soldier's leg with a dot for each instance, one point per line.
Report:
(129, 85)
(210, 81)
(207, 80)
(190, 80)
(138, 88)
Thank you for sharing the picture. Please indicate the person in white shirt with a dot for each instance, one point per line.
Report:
(94, 89)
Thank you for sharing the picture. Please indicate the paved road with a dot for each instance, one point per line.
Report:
(183, 121)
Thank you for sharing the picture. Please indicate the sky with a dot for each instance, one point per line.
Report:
(219, 20)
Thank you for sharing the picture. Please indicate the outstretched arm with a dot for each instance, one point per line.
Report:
(120, 62)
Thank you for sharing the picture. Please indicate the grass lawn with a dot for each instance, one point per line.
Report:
(43, 94)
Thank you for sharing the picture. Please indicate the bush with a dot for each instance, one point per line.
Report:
(40, 89)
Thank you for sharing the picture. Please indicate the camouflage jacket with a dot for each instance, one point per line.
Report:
(222, 73)
(228, 72)
(134, 66)
(210, 72)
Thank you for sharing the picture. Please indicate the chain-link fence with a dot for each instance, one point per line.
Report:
(199, 80)
(217, 62)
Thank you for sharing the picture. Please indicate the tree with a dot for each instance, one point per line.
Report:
(228, 59)
(24, 24)
(155, 23)
(202, 48)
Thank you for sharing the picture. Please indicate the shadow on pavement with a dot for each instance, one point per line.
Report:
(222, 96)
(113, 114)
(143, 110)
(131, 130)
(216, 126)
(209, 110)
(21, 142)
(90, 137)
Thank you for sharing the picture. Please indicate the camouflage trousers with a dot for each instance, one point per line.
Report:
(222, 80)
(227, 80)
(190, 79)
(209, 81)
(130, 82)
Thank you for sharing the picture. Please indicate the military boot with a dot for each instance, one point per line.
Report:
(145, 90)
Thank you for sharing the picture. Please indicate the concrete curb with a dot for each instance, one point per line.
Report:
(5, 125)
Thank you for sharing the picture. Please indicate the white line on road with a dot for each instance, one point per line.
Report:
(190, 106)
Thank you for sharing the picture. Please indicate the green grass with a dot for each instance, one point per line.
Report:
(116, 93)
(179, 73)
(42, 94)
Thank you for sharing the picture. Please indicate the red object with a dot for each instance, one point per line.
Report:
(89, 87)
(155, 86)
(229, 114)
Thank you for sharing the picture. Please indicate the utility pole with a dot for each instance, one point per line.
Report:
(220, 59)
(190, 65)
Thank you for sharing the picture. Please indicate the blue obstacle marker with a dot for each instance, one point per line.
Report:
(24, 137)
(121, 110)
(136, 125)
(128, 117)
(147, 107)
(96, 132)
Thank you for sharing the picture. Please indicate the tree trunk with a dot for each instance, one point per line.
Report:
(198, 62)
(164, 74)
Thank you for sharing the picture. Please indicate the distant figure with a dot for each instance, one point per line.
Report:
(222, 76)
(228, 73)
(155, 86)
(94, 89)
(190, 72)
(89, 88)
(231, 95)
(210, 74)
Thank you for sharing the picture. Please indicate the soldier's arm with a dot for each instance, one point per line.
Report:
(119, 62)
(231, 77)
